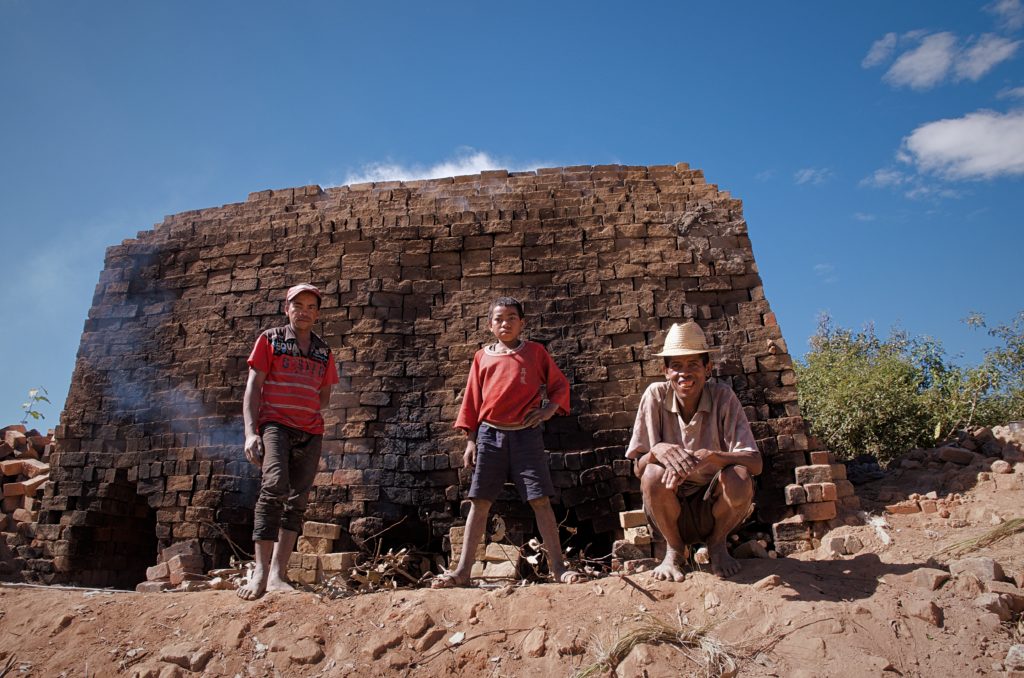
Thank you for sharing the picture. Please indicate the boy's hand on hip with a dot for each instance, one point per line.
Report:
(535, 417)
(254, 450)
(469, 456)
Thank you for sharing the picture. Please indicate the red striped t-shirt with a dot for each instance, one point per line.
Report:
(291, 390)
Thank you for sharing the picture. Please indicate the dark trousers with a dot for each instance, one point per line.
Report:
(290, 460)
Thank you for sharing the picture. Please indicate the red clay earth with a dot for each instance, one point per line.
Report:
(866, 614)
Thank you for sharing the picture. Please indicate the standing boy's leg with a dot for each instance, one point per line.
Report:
(302, 465)
(476, 523)
(269, 507)
(548, 527)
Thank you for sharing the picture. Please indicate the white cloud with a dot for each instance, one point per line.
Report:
(465, 161)
(827, 273)
(980, 145)
(765, 175)
(885, 178)
(1011, 93)
(925, 66)
(984, 55)
(864, 216)
(812, 175)
(880, 51)
(1010, 13)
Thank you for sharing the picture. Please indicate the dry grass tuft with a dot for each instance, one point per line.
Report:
(712, 656)
(1007, 529)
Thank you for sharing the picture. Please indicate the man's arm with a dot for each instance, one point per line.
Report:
(325, 396)
(250, 412)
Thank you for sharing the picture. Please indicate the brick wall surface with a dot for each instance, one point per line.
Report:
(604, 258)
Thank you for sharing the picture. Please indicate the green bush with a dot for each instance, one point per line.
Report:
(864, 394)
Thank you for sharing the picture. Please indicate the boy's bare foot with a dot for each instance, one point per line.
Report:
(722, 564)
(670, 568)
(254, 588)
(279, 584)
(448, 580)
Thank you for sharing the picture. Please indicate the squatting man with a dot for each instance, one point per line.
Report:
(695, 456)
(291, 371)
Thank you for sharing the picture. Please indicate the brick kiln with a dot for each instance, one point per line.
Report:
(605, 258)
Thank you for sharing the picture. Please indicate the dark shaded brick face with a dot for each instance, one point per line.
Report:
(603, 258)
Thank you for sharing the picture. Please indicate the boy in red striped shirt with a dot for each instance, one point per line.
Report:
(291, 371)
(501, 414)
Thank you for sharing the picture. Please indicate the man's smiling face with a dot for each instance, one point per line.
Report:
(688, 374)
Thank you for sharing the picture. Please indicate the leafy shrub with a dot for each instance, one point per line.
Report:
(864, 394)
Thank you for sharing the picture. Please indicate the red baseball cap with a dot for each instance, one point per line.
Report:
(296, 290)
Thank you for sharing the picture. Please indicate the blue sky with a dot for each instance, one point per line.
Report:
(878, 147)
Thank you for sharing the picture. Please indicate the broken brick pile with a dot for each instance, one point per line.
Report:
(23, 472)
(605, 259)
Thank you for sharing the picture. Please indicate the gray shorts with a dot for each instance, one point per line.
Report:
(511, 456)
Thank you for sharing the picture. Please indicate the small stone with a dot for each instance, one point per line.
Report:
(179, 655)
(926, 610)
(769, 582)
(833, 547)
(429, 639)
(853, 544)
(930, 578)
(1000, 466)
(956, 455)
(903, 507)
(711, 600)
(750, 549)
(1014, 658)
(417, 624)
(534, 643)
(701, 557)
(199, 659)
(306, 651)
(995, 603)
(984, 569)
(382, 644)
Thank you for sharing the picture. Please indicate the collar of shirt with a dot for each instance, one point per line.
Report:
(675, 407)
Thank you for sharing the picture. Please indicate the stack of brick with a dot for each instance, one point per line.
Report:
(821, 492)
(316, 559)
(492, 560)
(179, 563)
(605, 259)
(22, 476)
(634, 539)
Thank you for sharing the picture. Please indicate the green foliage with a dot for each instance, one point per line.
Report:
(35, 396)
(864, 394)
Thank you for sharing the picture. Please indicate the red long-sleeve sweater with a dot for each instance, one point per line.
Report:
(503, 387)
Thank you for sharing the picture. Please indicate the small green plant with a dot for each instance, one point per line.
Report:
(35, 396)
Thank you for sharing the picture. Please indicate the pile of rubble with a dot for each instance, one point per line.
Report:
(23, 471)
(970, 458)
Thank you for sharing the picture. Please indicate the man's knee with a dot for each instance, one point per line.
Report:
(651, 481)
(737, 485)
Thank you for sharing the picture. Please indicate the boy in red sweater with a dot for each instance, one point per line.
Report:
(501, 414)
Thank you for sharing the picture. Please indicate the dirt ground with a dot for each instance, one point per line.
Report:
(865, 614)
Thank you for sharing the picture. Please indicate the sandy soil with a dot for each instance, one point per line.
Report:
(858, 615)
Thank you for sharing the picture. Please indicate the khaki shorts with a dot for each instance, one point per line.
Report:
(696, 520)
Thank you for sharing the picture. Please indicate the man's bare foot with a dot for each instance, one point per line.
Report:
(722, 564)
(671, 568)
(254, 588)
(448, 580)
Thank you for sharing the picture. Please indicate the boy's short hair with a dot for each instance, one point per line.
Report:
(508, 302)
(704, 358)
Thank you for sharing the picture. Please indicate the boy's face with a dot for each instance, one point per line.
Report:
(687, 374)
(303, 311)
(505, 324)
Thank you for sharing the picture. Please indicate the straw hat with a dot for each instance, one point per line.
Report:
(685, 339)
